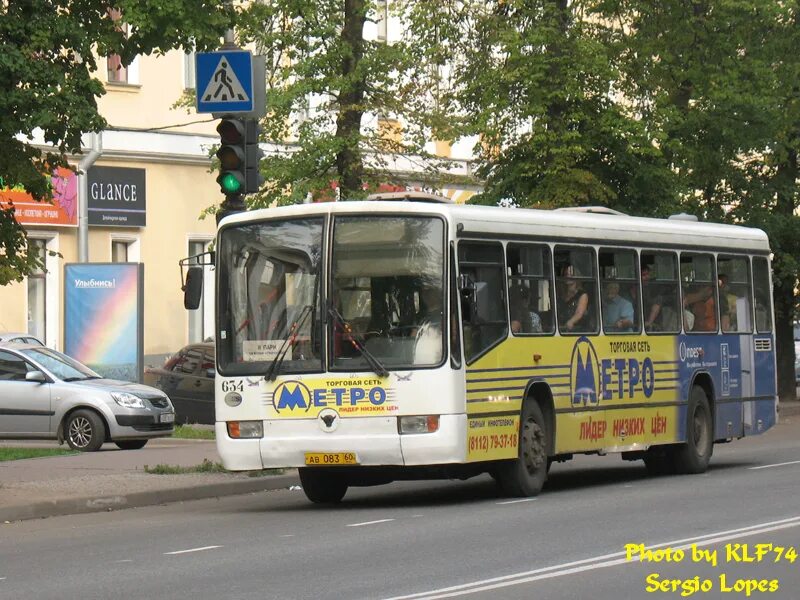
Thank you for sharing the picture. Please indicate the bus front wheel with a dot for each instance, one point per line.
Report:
(693, 456)
(323, 486)
(526, 475)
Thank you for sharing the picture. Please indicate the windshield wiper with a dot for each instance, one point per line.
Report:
(288, 342)
(373, 362)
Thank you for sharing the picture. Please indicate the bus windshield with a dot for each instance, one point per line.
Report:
(269, 291)
(387, 276)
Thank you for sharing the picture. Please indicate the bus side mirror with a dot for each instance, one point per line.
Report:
(193, 288)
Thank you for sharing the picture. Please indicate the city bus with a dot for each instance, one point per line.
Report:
(407, 337)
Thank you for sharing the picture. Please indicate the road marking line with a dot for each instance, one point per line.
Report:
(794, 462)
(124, 560)
(597, 562)
(370, 522)
(193, 550)
(517, 501)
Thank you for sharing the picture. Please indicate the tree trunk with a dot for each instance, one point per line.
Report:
(349, 161)
(784, 287)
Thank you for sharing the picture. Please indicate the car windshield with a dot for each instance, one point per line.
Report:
(60, 365)
(269, 282)
(388, 286)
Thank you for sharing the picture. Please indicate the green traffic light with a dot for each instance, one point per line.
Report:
(230, 183)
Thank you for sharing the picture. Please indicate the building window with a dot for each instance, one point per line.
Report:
(201, 321)
(119, 252)
(37, 290)
(116, 71)
(382, 20)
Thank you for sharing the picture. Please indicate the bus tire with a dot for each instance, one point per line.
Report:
(323, 486)
(693, 455)
(525, 476)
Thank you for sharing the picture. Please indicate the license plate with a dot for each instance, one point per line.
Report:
(166, 418)
(330, 459)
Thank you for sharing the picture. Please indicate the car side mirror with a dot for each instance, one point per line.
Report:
(36, 376)
(193, 288)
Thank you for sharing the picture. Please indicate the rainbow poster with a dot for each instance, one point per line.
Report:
(103, 317)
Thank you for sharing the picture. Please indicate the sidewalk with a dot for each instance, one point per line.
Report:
(114, 479)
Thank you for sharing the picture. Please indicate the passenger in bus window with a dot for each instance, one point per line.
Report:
(573, 310)
(617, 311)
(523, 319)
(727, 305)
(651, 302)
(700, 303)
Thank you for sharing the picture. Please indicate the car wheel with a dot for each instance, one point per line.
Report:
(85, 431)
(130, 444)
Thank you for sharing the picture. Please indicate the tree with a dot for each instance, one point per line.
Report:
(538, 84)
(341, 101)
(719, 79)
(47, 67)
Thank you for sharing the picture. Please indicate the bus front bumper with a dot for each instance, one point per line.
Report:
(375, 441)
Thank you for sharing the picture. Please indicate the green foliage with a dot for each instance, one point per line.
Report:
(47, 73)
(22, 453)
(188, 432)
(326, 88)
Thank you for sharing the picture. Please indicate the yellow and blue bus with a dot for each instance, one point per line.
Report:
(407, 337)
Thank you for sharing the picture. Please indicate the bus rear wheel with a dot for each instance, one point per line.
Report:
(693, 456)
(323, 486)
(526, 475)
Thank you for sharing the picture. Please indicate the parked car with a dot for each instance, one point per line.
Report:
(22, 338)
(187, 378)
(45, 394)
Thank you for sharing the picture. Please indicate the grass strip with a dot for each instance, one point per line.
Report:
(187, 432)
(22, 453)
(206, 466)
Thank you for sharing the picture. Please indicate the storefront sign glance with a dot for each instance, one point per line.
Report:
(117, 197)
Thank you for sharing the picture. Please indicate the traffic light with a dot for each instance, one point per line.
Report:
(231, 155)
(253, 156)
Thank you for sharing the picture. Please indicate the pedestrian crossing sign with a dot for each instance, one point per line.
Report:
(224, 81)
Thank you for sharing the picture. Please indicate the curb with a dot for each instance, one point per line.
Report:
(788, 409)
(74, 506)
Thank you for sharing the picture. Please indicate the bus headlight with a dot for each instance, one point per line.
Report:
(418, 424)
(245, 429)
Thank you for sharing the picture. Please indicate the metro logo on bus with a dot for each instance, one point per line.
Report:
(348, 396)
(584, 373)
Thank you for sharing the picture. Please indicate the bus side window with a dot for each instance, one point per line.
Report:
(699, 288)
(576, 289)
(660, 299)
(483, 303)
(530, 289)
(619, 286)
(735, 297)
(762, 295)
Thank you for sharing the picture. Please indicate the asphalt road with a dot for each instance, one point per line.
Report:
(441, 539)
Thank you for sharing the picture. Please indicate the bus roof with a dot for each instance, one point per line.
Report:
(561, 226)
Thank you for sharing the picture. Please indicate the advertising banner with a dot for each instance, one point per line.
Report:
(117, 197)
(103, 317)
(63, 210)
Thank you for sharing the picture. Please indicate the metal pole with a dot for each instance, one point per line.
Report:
(83, 195)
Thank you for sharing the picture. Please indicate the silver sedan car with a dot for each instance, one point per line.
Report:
(47, 395)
